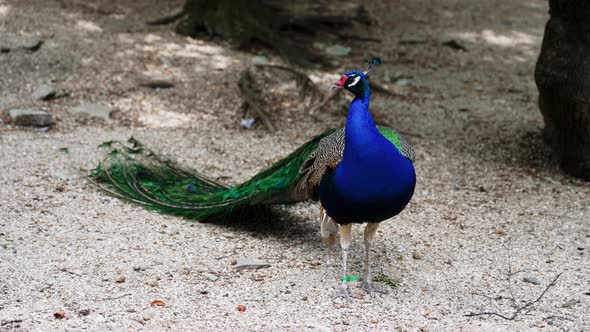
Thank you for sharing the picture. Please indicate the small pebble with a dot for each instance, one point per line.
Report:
(157, 84)
(500, 231)
(570, 303)
(10, 41)
(260, 60)
(120, 280)
(84, 312)
(338, 50)
(402, 82)
(147, 315)
(31, 43)
(531, 280)
(417, 255)
(245, 263)
(211, 277)
(44, 92)
(94, 110)
(30, 117)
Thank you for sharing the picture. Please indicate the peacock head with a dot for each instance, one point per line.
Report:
(356, 81)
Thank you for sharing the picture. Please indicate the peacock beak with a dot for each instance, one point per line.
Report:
(342, 81)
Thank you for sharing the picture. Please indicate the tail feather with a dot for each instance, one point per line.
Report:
(136, 174)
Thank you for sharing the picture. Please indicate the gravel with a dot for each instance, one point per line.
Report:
(99, 111)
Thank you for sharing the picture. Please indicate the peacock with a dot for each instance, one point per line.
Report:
(360, 174)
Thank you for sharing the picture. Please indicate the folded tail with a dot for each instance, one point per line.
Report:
(136, 174)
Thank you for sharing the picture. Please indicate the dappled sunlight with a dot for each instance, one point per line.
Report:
(151, 112)
(163, 71)
(511, 39)
(126, 38)
(210, 56)
(201, 55)
(535, 4)
(166, 119)
(88, 26)
(4, 9)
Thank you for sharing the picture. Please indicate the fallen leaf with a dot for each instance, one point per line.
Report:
(59, 314)
(241, 308)
(157, 303)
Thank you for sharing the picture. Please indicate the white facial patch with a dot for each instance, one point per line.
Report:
(356, 80)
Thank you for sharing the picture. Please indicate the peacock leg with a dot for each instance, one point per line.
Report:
(345, 242)
(367, 283)
(328, 228)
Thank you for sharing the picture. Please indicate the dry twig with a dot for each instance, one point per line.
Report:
(251, 101)
(518, 308)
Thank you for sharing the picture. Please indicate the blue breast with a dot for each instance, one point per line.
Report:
(373, 182)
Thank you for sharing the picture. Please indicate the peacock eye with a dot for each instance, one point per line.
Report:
(352, 80)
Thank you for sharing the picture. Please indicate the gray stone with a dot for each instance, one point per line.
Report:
(120, 279)
(570, 303)
(246, 263)
(319, 45)
(531, 280)
(94, 110)
(30, 117)
(402, 82)
(260, 60)
(31, 42)
(44, 92)
(338, 50)
(417, 255)
(10, 41)
(211, 277)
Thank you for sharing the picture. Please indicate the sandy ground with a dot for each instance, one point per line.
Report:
(489, 200)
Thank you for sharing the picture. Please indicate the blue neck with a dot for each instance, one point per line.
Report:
(360, 128)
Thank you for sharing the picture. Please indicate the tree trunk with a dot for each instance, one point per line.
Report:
(562, 75)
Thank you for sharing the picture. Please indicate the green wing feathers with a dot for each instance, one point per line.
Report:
(136, 174)
(398, 140)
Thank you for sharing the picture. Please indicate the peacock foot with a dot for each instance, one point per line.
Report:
(346, 293)
(371, 289)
